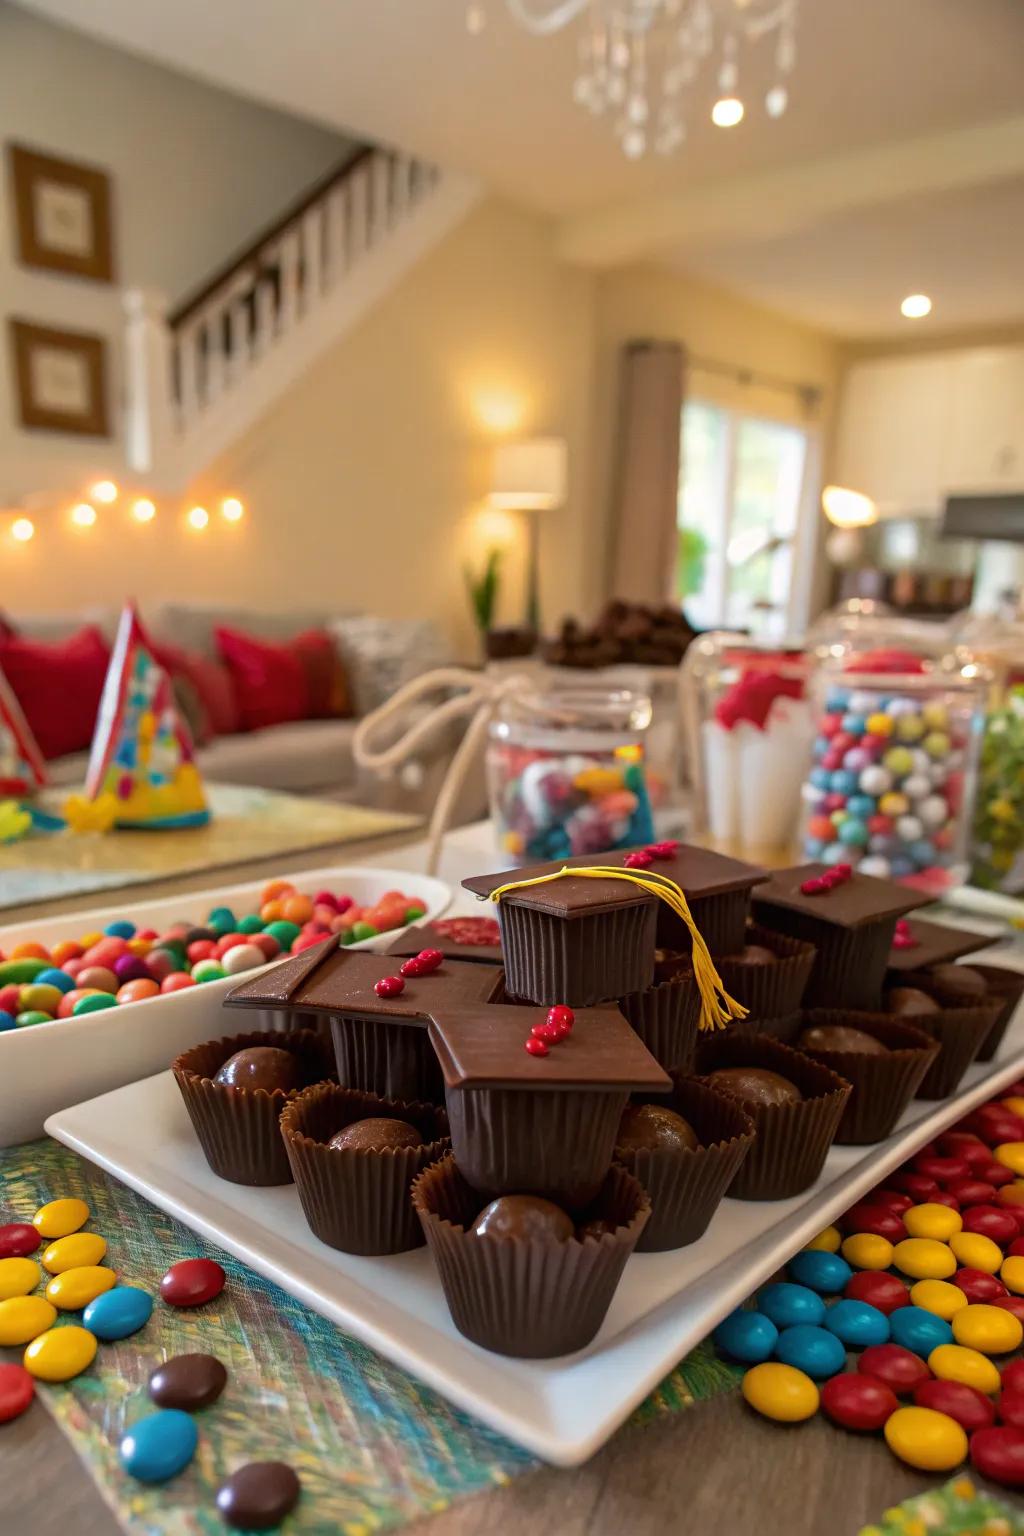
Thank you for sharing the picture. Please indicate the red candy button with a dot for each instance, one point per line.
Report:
(968, 1192)
(996, 1173)
(892, 1199)
(192, 1282)
(914, 1184)
(898, 1368)
(945, 1197)
(561, 1017)
(998, 1453)
(878, 1289)
(1014, 1304)
(969, 1148)
(942, 1169)
(857, 1401)
(536, 1047)
(979, 1286)
(876, 1219)
(18, 1239)
(16, 1391)
(1011, 1408)
(429, 960)
(1012, 1375)
(991, 1222)
(969, 1407)
(389, 986)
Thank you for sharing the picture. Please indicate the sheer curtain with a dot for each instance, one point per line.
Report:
(646, 489)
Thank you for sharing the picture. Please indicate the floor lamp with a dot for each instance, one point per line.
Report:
(530, 477)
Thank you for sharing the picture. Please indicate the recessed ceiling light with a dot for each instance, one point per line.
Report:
(915, 306)
(727, 112)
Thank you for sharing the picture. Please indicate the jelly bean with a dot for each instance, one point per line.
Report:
(121, 928)
(865, 1250)
(159, 1446)
(32, 1016)
(138, 991)
(857, 1323)
(1012, 1274)
(815, 1351)
(130, 968)
(1012, 1375)
(826, 1273)
(954, 1362)
(284, 932)
(18, 1239)
(787, 1305)
(18, 1277)
(779, 1392)
(968, 1192)
(855, 1401)
(96, 1002)
(877, 1219)
(73, 1289)
(938, 1296)
(991, 1222)
(98, 977)
(74, 1251)
(67, 1007)
(916, 1185)
(119, 1312)
(201, 949)
(991, 1330)
(66, 949)
(267, 945)
(931, 1220)
(54, 978)
(923, 1438)
(363, 931)
(747, 1336)
(242, 958)
(899, 1368)
(251, 923)
(918, 1330)
(922, 1258)
(176, 981)
(23, 1318)
(975, 1251)
(208, 970)
(998, 1453)
(970, 1408)
(7, 1021)
(221, 920)
(37, 996)
(827, 1240)
(192, 1282)
(60, 1353)
(60, 1217)
(17, 1390)
(1011, 1406)
(979, 1285)
(882, 1291)
(1010, 1153)
(19, 972)
(161, 963)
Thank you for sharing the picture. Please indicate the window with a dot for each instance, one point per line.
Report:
(741, 490)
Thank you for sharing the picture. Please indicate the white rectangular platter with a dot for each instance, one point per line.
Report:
(561, 1410)
(45, 1066)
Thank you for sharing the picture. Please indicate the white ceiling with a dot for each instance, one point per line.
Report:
(498, 105)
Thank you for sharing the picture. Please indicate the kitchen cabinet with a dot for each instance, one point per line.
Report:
(985, 448)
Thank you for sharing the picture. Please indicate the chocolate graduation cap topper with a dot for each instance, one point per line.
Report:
(22, 770)
(142, 765)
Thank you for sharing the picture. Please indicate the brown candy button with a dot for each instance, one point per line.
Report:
(375, 1135)
(257, 1497)
(188, 1382)
(909, 1002)
(959, 979)
(262, 1066)
(526, 1217)
(841, 1037)
(653, 1127)
(756, 1085)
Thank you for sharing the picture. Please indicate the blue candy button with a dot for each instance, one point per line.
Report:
(827, 1273)
(55, 978)
(159, 1446)
(919, 1330)
(813, 1350)
(118, 1312)
(746, 1336)
(787, 1305)
(120, 929)
(7, 1021)
(857, 1323)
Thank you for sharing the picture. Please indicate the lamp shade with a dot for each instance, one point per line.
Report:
(529, 476)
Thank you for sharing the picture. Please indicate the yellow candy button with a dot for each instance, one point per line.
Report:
(926, 1439)
(75, 1288)
(25, 1317)
(1011, 1155)
(976, 1251)
(1012, 1274)
(952, 1362)
(1015, 1104)
(1012, 1194)
(927, 1220)
(60, 1217)
(74, 1251)
(924, 1259)
(60, 1353)
(780, 1392)
(865, 1250)
(939, 1297)
(992, 1330)
(18, 1277)
(827, 1241)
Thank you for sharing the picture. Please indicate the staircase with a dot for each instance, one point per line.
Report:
(197, 377)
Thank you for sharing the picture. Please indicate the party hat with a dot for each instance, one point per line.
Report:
(22, 770)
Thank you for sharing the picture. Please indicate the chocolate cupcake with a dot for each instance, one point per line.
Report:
(665, 1017)
(524, 1287)
(769, 974)
(796, 1105)
(685, 1177)
(885, 1060)
(851, 925)
(235, 1090)
(353, 1157)
(539, 1124)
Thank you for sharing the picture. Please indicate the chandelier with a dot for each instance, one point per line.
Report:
(639, 60)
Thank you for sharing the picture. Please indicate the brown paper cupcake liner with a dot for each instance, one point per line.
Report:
(665, 1017)
(358, 1200)
(531, 1300)
(883, 1086)
(521, 1141)
(283, 1020)
(394, 1060)
(579, 961)
(238, 1127)
(721, 921)
(961, 1033)
(785, 1028)
(685, 1187)
(768, 991)
(850, 965)
(1007, 987)
(792, 1140)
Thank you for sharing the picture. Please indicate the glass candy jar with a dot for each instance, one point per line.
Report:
(566, 773)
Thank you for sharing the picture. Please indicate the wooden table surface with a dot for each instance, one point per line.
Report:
(714, 1468)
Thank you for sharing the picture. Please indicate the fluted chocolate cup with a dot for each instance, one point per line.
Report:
(665, 1017)
(785, 1028)
(1008, 987)
(685, 1185)
(768, 991)
(792, 1140)
(392, 1058)
(579, 960)
(357, 1199)
(238, 1128)
(721, 920)
(883, 1085)
(530, 1300)
(961, 1033)
(850, 963)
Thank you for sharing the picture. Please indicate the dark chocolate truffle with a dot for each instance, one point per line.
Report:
(257, 1497)
(262, 1066)
(959, 979)
(840, 1037)
(756, 1086)
(909, 1002)
(375, 1135)
(653, 1127)
(526, 1217)
(188, 1381)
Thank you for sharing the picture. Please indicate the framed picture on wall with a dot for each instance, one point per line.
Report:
(61, 214)
(60, 379)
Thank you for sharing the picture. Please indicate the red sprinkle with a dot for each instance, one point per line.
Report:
(536, 1047)
(813, 887)
(389, 986)
(819, 885)
(666, 850)
(639, 860)
(480, 932)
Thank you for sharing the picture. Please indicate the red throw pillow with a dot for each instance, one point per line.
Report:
(58, 686)
(211, 681)
(326, 679)
(270, 682)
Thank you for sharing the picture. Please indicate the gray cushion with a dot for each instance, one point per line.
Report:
(382, 654)
(301, 757)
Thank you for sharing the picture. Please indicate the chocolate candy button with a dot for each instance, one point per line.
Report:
(188, 1381)
(257, 1497)
(192, 1282)
(17, 1390)
(18, 1240)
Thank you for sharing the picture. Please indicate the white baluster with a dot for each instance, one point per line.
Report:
(266, 317)
(149, 427)
(288, 265)
(358, 213)
(336, 234)
(189, 363)
(312, 236)
(216, 370)
(401, 187)
(380, 197)
(239, 313)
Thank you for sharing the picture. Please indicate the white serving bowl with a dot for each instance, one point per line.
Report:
(45, 1067)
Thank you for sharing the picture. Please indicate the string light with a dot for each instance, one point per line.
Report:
(198, 518)
(232, 509)
(104, 491)
(727, 112)
(23, 529)
(143, 510)
(84, 515)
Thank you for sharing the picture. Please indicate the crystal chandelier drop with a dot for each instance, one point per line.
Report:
(639, 60)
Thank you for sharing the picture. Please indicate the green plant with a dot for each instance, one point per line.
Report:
(691, 556)
(483, 589)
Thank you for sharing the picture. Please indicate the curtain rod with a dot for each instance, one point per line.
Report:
(810, 394)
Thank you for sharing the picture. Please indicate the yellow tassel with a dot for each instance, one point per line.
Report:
(716, 1006)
